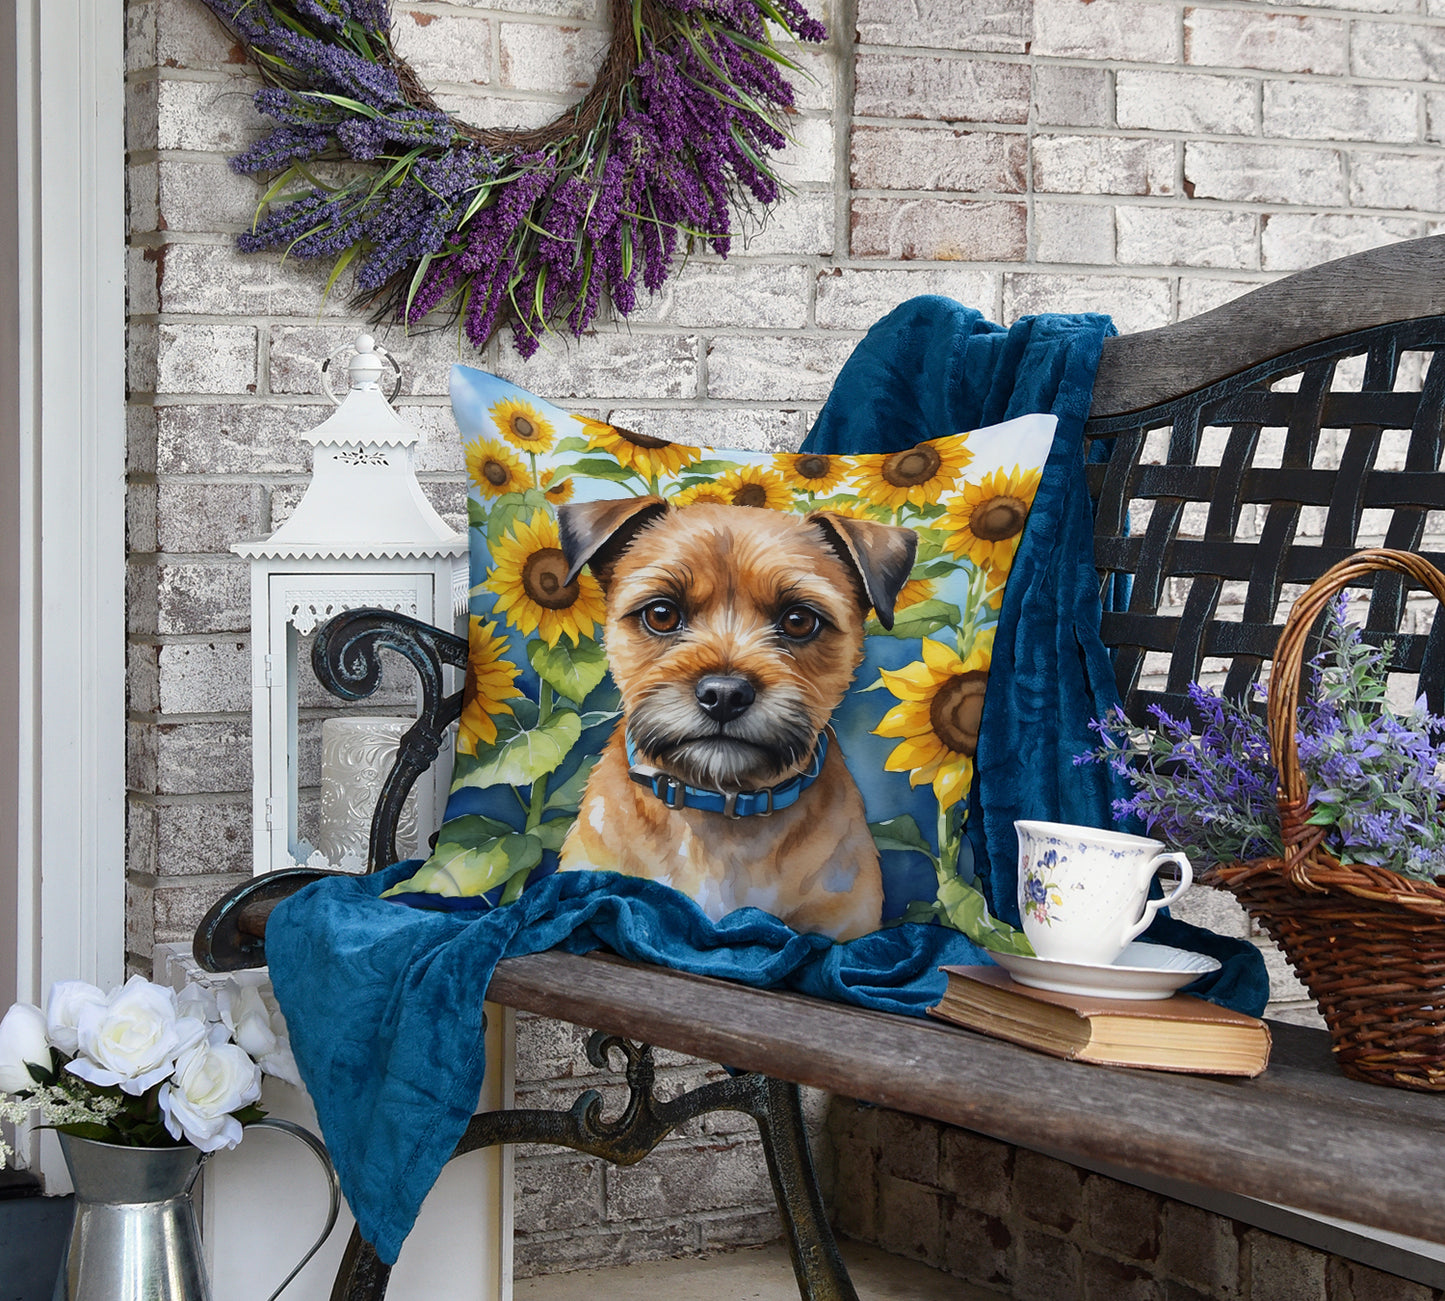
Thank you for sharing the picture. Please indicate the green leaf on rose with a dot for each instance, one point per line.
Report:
(571, 671)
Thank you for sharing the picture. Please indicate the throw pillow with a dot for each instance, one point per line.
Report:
(756, 677)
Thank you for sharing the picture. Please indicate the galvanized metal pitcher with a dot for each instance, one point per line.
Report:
(135, 1236)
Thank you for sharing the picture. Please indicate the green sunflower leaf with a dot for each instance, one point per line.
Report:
(572, 671)
(509, 506)
(521, 755)
(921, 620)
(597, 468)
(477, 514)
(471, 830)
(706, 468)
(943, 567)
(569, 794)
(900, 833)
(574, 444)
(554, 831)
(468, 870)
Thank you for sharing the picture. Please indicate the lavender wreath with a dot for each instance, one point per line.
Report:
(525, 227)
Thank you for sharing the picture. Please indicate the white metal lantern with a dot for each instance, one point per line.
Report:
(364, 534)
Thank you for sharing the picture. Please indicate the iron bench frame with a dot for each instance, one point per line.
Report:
(1301, 1134)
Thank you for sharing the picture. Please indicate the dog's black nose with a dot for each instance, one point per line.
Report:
(724, 698)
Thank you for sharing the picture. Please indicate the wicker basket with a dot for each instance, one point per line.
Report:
(1368, 943)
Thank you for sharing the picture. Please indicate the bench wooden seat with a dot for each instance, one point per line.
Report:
(1301, 1134)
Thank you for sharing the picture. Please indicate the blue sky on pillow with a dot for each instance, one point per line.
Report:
(765, 737)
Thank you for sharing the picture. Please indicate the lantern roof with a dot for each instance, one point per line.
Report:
(364, 499)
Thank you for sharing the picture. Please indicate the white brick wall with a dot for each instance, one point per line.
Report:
(1148, 158)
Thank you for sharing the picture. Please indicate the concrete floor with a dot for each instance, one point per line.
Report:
(750, 1274)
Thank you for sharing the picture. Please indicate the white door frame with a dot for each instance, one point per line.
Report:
(62, 495)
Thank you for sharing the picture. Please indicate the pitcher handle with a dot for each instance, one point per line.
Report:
(333, 1188)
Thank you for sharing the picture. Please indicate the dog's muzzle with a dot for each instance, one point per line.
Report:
(677, 794)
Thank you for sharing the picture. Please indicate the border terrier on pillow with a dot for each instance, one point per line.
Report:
(733, 633)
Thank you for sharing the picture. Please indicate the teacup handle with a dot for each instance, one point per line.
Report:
(333, 1189)
(1152, 906)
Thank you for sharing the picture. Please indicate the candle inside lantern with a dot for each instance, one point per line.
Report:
(356, 755)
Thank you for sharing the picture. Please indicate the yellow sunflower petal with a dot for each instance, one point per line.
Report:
(522, 425)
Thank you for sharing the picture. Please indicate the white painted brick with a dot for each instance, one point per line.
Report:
(585, 9)
(256, 438)
(729, 293)
(1195, 237)
(500, 112)
(202, 598)
(1133, 30)
(210, 116)
(1414, 181)
(1073, 232)
(200, 517)
(1103, 165)
(807, 158)
(1070, 96)
(769, 368)
(1135, 303)
(605, 365)
(220, 280)
(206, 359)
(140, 357)
(1255, 38)
(140, 115)
(1198, 294)
(801, 224)
(1435, 116)
(142, 187)
(140, 35)
(190, 36)
(140, 437)
(985, 25)
(854, 299)
(1398, 51)
(141, 295)
(942, 88)
(558, 60)
(202, 758)
(205, 197)
(444, 47)
(1185, 101)
(1293, 241)
(1359, 6)
(1312, 110)
(140, 517)
(752, 428)
(919, 158)
(1264, 173)
(813, 88)
(939, 230)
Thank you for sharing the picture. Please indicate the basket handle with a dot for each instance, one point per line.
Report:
(1300, 839)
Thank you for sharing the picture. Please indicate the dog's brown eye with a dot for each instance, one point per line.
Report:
(662, 616)
(799, 623)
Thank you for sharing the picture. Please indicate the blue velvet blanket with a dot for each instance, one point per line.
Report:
(384, 1001)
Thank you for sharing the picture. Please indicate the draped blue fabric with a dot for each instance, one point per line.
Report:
(384, 1001)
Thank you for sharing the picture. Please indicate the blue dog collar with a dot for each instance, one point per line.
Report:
(736, 804)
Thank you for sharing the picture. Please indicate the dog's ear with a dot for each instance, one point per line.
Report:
(596, 532)
(880, 554)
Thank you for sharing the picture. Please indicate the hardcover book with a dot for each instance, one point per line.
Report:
(1181, 1033)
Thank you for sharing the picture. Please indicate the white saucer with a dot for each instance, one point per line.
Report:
(1141, 971)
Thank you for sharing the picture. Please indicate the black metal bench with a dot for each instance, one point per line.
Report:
(1301, 1134)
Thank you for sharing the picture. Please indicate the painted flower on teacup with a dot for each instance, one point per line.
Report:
(1038, 893)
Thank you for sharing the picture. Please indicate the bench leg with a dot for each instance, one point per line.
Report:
(644, 1123)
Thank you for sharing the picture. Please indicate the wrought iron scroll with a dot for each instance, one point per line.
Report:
(346, 656)
(1245, 405)
(643, 1124)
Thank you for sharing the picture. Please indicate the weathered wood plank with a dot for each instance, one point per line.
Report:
(1396, 283)
(1354, 1151)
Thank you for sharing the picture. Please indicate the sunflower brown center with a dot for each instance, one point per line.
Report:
(956, 709)
(997, 518)
(542, 579)
(750, 494)
(907, 469)
(640, 440)
(523, 428)
(811, 467)
(495, 473)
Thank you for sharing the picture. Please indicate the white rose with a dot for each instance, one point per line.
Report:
(211, 1081)
(199, 1002)
(250, 1011)
(68, 998)
(22, 1039)
(134, 1039)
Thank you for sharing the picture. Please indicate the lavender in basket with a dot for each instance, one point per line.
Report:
(1373, 775)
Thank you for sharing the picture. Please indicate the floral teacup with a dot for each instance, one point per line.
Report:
(1084, 893)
